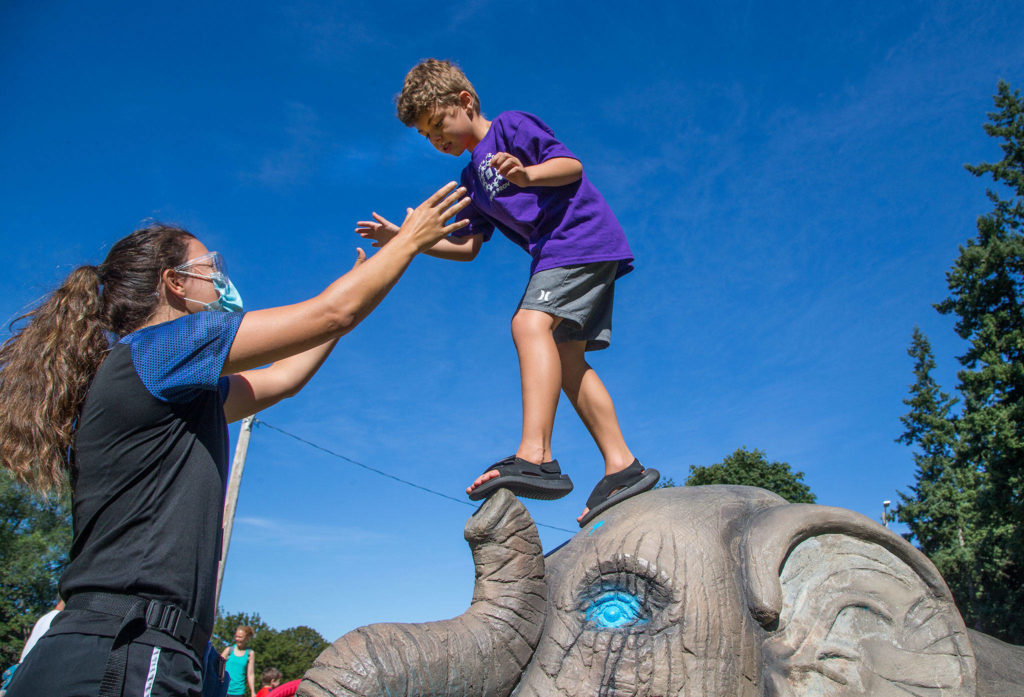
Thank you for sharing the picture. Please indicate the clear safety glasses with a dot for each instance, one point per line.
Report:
(208, 266)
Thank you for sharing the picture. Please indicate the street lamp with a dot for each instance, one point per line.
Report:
(885, 513)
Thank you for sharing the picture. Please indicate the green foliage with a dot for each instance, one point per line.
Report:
(291, 651)
(975, 472)
(941, 510)
(35, 535)
(751, 468)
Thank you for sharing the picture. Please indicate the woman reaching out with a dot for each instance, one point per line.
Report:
(121, 385)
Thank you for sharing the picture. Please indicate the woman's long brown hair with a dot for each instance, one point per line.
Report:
(54, 351)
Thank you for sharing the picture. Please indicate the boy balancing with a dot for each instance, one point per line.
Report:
(528, 185)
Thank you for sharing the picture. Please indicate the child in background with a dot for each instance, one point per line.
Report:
(528, 185)
(270, 679)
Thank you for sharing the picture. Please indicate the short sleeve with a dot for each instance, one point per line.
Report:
(533, 142)
(177, 359)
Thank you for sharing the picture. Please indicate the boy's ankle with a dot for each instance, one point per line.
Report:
(618, 464)
(535, 455)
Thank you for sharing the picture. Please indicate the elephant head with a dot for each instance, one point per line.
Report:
(719, 591)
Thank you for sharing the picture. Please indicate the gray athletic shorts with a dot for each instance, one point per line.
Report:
(581, 295)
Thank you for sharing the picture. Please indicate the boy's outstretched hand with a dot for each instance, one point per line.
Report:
(424, 224)
(380, 230)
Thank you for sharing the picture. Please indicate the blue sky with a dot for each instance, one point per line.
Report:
(790, 177)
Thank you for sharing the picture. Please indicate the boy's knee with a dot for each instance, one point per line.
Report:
(533, 322)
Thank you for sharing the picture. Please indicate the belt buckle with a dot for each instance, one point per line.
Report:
(165, 617)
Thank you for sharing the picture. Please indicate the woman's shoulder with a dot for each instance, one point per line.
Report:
(198, 324)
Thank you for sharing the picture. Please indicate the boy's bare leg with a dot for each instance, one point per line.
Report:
(540, 372)
(594, 405)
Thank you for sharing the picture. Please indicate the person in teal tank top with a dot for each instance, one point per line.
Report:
(240, 664)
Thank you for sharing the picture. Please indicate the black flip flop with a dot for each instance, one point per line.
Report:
(527, 479)
(618, 487)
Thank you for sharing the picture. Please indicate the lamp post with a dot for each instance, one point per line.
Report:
(885, 513)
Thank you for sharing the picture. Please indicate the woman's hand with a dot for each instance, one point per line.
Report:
(424, 225)
(274, 334)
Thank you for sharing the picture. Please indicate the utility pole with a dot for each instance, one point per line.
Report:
(231, 499)
(885, 513)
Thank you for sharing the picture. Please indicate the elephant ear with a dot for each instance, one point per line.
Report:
(850, 608)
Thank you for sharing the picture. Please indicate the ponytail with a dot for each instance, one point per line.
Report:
(48, 363)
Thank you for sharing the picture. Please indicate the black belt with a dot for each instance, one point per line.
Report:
(138, 614)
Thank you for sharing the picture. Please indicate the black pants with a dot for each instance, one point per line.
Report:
(71, 665)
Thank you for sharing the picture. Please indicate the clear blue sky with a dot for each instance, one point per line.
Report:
(789, 175)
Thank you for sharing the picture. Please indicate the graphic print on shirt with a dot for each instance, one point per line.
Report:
(493, 182)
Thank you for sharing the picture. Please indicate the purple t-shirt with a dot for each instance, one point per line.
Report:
(557, 225)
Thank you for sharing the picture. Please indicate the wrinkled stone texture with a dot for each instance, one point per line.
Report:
(716, 591)
(858, 621)
(481, 652)
(1000, 666)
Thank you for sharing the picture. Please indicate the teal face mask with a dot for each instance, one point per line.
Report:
(229, 300)
(228, 297)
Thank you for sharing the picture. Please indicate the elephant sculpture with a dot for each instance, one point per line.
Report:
(718, 591)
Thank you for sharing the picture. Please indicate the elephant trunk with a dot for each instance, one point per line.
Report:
(482, 652)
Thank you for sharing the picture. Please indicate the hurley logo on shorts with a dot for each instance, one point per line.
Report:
(544, 296)
(493, 182)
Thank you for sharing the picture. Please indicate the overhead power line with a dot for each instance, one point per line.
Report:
(260, 422)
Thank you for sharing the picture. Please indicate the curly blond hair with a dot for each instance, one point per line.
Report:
(430, 84)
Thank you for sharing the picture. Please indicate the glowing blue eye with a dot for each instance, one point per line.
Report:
(613, 609)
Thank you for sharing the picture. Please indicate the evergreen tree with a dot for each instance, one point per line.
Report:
(941, 510)
(751, 468)
(985, 287)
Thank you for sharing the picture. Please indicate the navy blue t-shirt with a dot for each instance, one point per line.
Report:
(150, 463)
